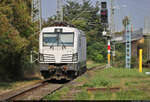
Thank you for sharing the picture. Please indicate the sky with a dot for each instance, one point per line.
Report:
(137, 10)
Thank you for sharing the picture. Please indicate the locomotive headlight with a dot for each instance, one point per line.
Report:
(75, 57)
(41, 57)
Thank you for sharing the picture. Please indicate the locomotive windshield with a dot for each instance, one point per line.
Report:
(49, 39)
(59, 39)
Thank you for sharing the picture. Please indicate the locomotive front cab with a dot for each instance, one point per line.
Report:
(58, 55)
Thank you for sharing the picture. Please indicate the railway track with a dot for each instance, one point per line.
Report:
(98, 67)
(38, 90)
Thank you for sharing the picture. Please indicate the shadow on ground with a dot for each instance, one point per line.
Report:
(63, 81)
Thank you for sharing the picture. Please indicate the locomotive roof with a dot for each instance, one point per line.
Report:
(64, 24)
(59, 27)
(46, 29)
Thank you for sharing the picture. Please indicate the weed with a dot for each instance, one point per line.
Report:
(131, 83)
(83, 96)
(57, 95)
(102, 95)
(132, 95)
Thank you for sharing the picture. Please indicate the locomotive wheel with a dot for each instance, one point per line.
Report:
(80, 72)
(85, 69)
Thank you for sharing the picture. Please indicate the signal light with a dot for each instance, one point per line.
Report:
(104, 12)
(104, 4)
(104, 16)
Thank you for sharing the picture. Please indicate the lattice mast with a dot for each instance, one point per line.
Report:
(37, 18)
(148, 49)
(36, 13)
(112, 28)
(112, 25)
(60, 10)
(128, 45)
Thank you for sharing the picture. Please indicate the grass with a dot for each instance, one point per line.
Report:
(83, 95)
(133, 85)
(133, 94)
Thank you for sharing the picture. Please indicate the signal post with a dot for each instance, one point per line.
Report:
(109, 53)
(106, 34)
(108, 37)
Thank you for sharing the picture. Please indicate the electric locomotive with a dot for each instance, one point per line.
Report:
(62, 52)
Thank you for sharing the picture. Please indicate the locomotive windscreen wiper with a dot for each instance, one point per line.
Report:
(62, 43)
(52, 45)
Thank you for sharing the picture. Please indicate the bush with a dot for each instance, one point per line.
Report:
(97, 52)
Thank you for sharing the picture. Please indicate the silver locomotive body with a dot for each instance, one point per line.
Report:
(62, 52)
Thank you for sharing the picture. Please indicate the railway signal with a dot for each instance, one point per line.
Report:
(106, 34)
(104, 13)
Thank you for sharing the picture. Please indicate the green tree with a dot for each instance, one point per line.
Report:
(12, 47)
(16, 38)
(125, 21)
